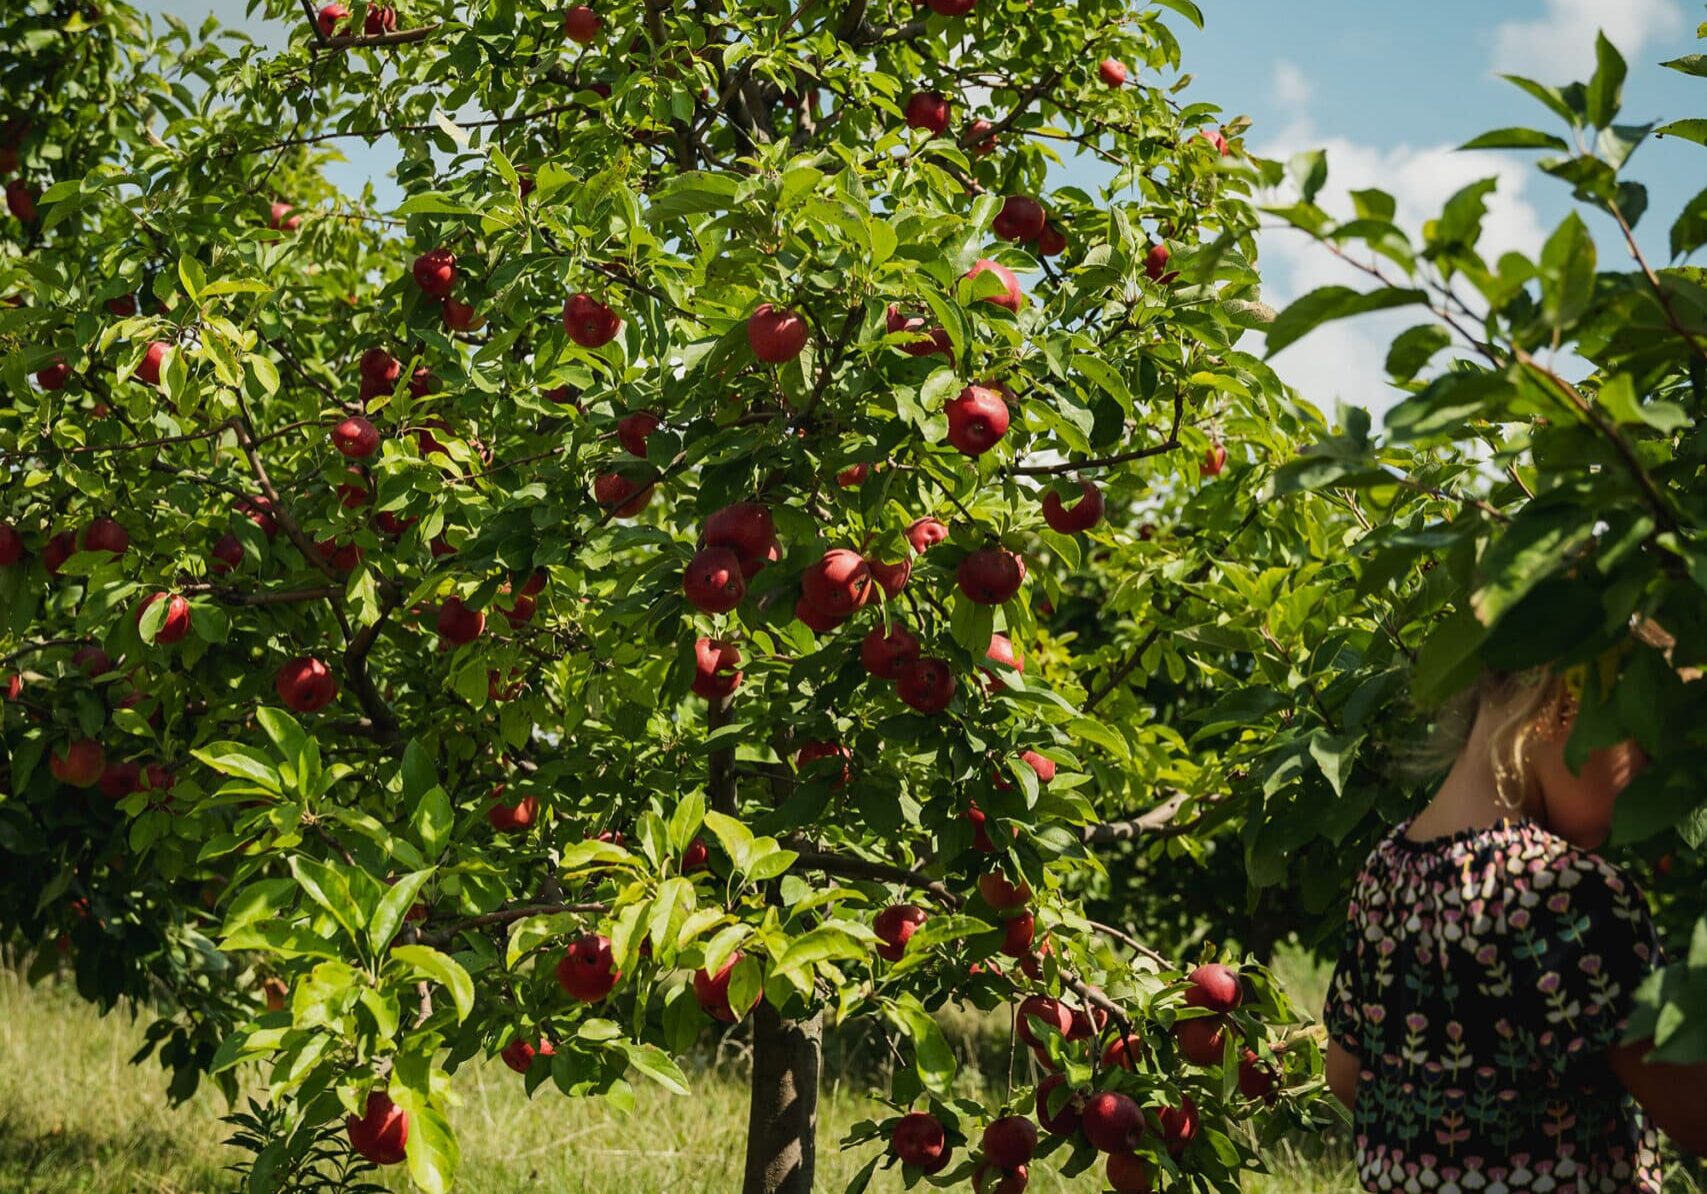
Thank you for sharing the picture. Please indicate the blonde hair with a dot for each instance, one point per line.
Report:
(1531, 704)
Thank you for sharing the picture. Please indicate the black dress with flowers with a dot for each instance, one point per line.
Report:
(1482, 978)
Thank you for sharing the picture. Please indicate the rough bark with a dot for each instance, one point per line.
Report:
(782, 1120)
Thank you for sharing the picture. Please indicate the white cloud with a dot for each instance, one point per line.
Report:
(1558, 46)
(1291, 86)
(1346, 360)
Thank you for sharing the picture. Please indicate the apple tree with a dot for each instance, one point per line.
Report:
(735, 543)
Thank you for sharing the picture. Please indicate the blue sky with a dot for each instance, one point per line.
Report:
(1389, 90)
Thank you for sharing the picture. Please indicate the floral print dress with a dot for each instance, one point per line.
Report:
(1481, 980)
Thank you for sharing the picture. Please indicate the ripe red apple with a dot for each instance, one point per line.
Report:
(990, 575)
(91, 661)
(890, 578)
(1017, 934)
(21, 201)
(11, 545)
(354, 493)
(918, 1139)
(952, 8)
(989, 1178)
(1202, 1041)
(1081, 516)
(1218, 139)
(839, 583)
(712, 991)
(633, 430)
(928, 110)
(1123, 1052)
(776, 334)
(1002, 894)
(456, 315)
(1065, 1121)
(381, 1132)
(813, 751)
(886, 652)
(520, 612)
(1179, 1125)
(978, 819)
(926, 685)
(925, 534)
(78, 763)
(435, 272)
(935, 339)
(119, 780)
(1214, 459)
(1113, 1123)
(1112, 71)
(1156, 265)
(589, 322)
(587, 971)
(341, 557)
(330, 17)
(815, 618)
(459, 625)
(1044, 1009)
(380, 366)
(105, 534)
(519, 1053)
(622, 494)
(177, 622)
(306, 685)
(512, 818)
(1128, 1173)
(356, 438)
(379, 19)
(895, 925)
(1051, 242)
(1021, 219)
(977, 419)
(422, 382)
(1213, 986)
(747, 530)
(54, 374)
(694, 857)
(978, 137)
(227, 555)
(258, 510)
(1002, 651)
(57, 550)
(581, 24)
(279, 218)
(717, 668)
(1257, 1079)
(1011, 298)
(712, 582)
(1010, 1141)
(148, 369)
(854, 475)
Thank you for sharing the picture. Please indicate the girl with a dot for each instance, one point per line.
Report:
(1477, 1013)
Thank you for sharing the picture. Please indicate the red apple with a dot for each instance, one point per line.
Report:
(54, 374)
(435, 272)
(1081, 516)
(1214, 459)
(1021, 219)
(926, 685)
(990, 575)
(951, 8)
(1123, 1052)
(1179, 1125)
(1002, 894)
(1112, 71)
(1002, 651)
(459, 625)
(632, 431)
(105, 534)
(693, 858)
(11, 545)
(839, 583)
(717, 668)
(306, 685)
(811, 752)
(1113, 1123)
(887, 652)
(711, 991)
(925, 534)
(776, 334)
(177, 622)
(341, 557)
(1051, 242)
(895, 925)
(227, 555)
(1128, 1173)
(1017, 934)
(621, 494)
(456, 315)
(747, 530)
(1218, 139)
(934, 339)
(815, 618)
(1065, 1121)
(979, 137)
(330, 17)
(581, 24)
(279, 218)
(119, 780)
(1010, 1141)
(1257, 1078)
(589, 322)
(519, 1053)
(57, 550)
(355, 438)
(890, 578)
(379, 19)
(918, 1139)
(258, 510)
(587, 971)
(1046, 1010)
(1213, 986)
(92, 661)
(1202, 1041)
(928, 110)
(989, 1178)
(977, 419)
(381, 1132)
(512, 818)
(854, 475)
(713, 582)
(148, 369)
(1011, 298)
(1156, 265)
(78, 763)
(21, 201)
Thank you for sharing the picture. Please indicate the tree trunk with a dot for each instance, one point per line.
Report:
(782, 1121)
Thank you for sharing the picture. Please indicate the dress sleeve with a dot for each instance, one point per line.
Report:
(1591, 943)
(1343, 1015)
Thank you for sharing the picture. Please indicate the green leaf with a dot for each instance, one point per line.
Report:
(1517, 138)
(1567, 109)
(1309, 170)
(234, 758)
(1567, 272)
(1605, 93)
(735, 838)
(440, 968)
(932, 1056)
(431, 1148)
(829, 942)
(1415, 347)
(1185, 8)
(658, 1066)
(433, 821)
(1447, 660)
(192, 276)
(1689, 233)
(1330, 303)
(1689, 64)
(329, 889)
(393, 907)
(274, 937)
(1690, 130)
